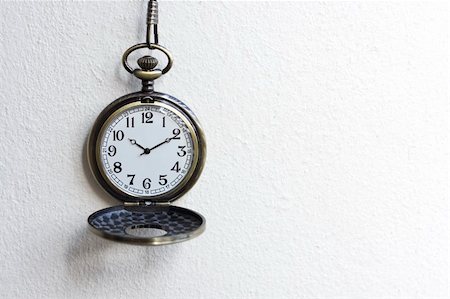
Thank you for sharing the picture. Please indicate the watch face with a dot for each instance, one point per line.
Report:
(147, 150)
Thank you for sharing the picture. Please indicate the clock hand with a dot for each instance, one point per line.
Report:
(165, 141)
(135, 143)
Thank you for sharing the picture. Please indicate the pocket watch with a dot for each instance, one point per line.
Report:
(147, 149)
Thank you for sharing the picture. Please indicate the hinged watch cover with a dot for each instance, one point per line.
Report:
(118, 223)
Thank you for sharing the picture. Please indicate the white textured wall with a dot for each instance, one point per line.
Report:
(327, 173)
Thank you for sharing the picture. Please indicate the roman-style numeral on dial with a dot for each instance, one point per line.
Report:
(117, 167)
(147, 117)
(118, 135)
(176, 167)
(162, 179)
(182, 152)
(132, 178)
(112, 151)
(146, 183)
(130, 122)
(176, 133)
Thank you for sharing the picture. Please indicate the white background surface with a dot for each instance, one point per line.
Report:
(327, 173)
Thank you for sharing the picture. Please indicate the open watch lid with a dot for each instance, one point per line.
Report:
(138, 224)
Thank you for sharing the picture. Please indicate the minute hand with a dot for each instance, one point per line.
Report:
(165, 141)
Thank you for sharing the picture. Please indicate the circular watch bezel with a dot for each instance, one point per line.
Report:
(134, 100)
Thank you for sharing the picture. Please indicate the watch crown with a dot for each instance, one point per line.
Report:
(147, 63)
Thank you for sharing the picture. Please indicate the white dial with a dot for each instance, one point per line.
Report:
(146, 150)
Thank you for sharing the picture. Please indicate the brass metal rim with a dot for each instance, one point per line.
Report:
(141, 98)
(166, 52)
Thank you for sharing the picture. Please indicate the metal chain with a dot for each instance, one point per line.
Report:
(152, 44)
(152, 22)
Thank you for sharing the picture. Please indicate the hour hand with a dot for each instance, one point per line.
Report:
(133, 142)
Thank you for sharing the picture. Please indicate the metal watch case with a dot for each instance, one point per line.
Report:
(116, 222)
